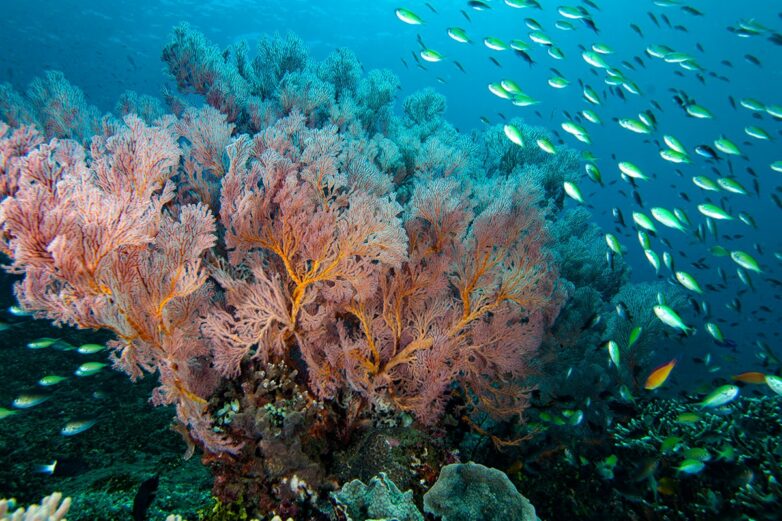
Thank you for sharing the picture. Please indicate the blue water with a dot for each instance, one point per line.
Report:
(107, 49)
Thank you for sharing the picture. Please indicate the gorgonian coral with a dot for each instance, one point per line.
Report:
(348, 247)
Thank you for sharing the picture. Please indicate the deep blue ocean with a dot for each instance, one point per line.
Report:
(723, 56)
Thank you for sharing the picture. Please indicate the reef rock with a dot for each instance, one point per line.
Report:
(381, 499)
(471, 492)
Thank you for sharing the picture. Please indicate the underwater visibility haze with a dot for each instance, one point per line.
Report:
(352, 260)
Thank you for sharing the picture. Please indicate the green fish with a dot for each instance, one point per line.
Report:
(643, 221)
(5, 413)
(674, 144)
(691, 466)
(540, 38)
(602, 48)
(705, 183)
(546, 145)
(90, 349)
(458, 34)
(572, 190)
(558, 82)
(774, 111)
(714, 211)
(574, 417)
(726, 146)
(720, 396)
(574, 13)
(699, 112)
(25, 401)
(556, 53)
(592, 117)
(731, 185)
(625, 393)
(519, 45)
(679, 213)
(17, 311)
(631, 170)
(643, 240)
(577, 131)
(697, 453)
(688, 418)
(653, 259)
(594, 59)
(635, 334)
(757, 133)
(719, 251)
(514, 134)
(511, 87)
(408, 16)
(671, 318)
(591, 95)
(715, 332)
(495, 44)
(745, 260)
(667, 218)
(50, 380)
(674, 156)
(752, 104)
(73, 428)
(498, 90)
(670, 443)
(524, 100)
(631, 87)
(613, 243)
(633, 125)
(431, 55)
(658, 51)
(677, 57)
(774, 383)
(564, 25)
(726, 453)
(648, 118)
(90, 368)
(613, 352)
(688, 281)
(593, 173)
(42, 343)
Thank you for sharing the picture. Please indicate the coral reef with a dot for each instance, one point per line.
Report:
(274, 419)
(330, 291)
(295, 262)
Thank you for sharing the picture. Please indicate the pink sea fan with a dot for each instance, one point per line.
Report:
(309, 237)
(99, 251)
(317, 264)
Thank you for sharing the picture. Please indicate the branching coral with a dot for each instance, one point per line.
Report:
(206, 133)
(98, 251)
(742, 455)
(342, 69)
(425, 107)
(148, 108)
(55, 106)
